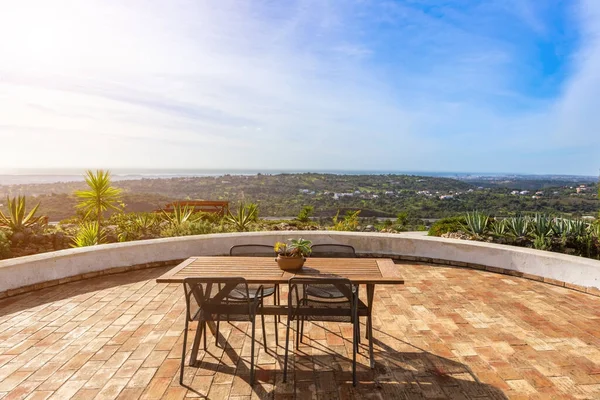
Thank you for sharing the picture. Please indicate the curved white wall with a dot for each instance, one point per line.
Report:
(31, 270)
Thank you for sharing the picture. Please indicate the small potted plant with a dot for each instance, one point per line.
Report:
(290, 256)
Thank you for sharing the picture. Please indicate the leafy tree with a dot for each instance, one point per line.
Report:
(100, 197)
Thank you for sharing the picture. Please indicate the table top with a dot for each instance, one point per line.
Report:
(265, 270)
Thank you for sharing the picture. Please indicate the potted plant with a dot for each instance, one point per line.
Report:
(290, 256)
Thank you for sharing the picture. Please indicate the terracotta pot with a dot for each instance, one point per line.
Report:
(287, 263)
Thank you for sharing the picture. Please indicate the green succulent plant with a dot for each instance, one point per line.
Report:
(245, 215)
(17, 218)
(88, 234)
(180, 215)
(477, 223)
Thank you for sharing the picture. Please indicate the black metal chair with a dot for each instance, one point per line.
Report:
(206, 300)
(303, 306)
(324, 291)
(259, 250)
(330, 251)
(333, 251)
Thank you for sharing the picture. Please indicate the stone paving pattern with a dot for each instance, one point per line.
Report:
(447, 333)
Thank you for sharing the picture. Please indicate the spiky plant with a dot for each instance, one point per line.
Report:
(179, 215)
(499, 227)
(541, 225)
(560, 226)
(88, 234)
(518, 226)
(245, 215)
(477, 223)
(100, 197)
(17, 218)
(577, 227)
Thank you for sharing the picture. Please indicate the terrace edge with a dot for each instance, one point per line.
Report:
(25, 274)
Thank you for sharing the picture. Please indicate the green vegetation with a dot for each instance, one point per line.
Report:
(246, 214)
(550, 220)
(99, 197)
(4, 246)
(541, 231)
(17, 219)
(295, 248)
(348, 223)
(285, 195)
(477, 223)
(446, 225)
(305, 214)
(180, 215)
(88, 233)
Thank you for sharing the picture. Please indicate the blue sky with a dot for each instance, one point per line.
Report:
(455, 85)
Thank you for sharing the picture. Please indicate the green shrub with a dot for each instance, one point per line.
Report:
(305, 213)
(189, 228)
(349, 223)
(4, 246)
(89, 233)
(449, 224)
(135, 226)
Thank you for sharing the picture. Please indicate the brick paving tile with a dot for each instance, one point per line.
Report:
(447, 333)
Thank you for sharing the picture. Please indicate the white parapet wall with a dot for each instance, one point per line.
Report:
(32, 270)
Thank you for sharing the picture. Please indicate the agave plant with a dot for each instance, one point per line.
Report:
(594, 230)
(179, 215)
(88, 234)
(577, 227)
(518, 226)
(246, 214)
(17, 219)
(499, 227)
(476, 223)
(541, 225)
(140, 226)
(560, 226)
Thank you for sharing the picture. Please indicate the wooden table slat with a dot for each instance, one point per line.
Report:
(265, 269)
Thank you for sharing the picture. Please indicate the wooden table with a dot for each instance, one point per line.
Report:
(264, 270)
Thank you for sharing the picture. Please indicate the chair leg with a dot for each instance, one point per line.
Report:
(287, 345)
(297, 332)
(196, 344)
(278, 296)
(276, 326)
(183, 352)
(217, 332)
(262, 320)
(252, 352)
(354, 350)
(205, 331)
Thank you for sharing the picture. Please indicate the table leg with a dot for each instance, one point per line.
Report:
(370, 295)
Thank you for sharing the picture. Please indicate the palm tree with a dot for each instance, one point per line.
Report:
(101, 196)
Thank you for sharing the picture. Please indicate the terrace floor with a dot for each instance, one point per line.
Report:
(447, 333)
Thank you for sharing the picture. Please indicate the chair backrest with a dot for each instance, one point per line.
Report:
(322, 308)
(252, 250)
(333, 251)
(202, 293)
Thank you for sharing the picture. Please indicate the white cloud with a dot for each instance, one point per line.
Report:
(244, 84)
